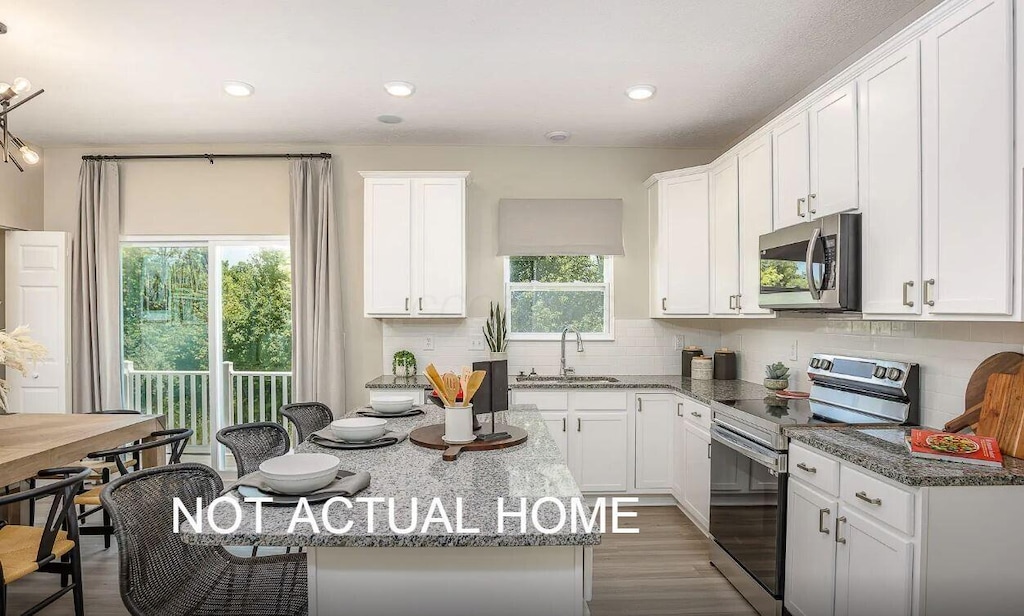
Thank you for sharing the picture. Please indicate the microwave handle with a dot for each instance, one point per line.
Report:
(809, 262)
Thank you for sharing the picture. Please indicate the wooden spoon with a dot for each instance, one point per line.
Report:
(451, 385)
(475, 379)
(464, 383)
(435, 379)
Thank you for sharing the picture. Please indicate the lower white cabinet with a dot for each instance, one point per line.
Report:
(679, 451)
(655, 414)
(599, 451)
(874, 567)
(558, 425)
(810, 551)
(697, 472)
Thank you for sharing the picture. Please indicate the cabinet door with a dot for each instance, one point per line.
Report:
(697, 486)
(387, 241)
(558, 425)
(439, 217)
(810, 551)
(755, 197)
(874, 568)
(683, 247)
(833, 124)
(791, 172)
(725, 240)
(890, 171)
(655, 415)
(967, 137)
(678, 452)
(600, 450)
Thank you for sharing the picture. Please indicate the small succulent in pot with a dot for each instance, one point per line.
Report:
(403, 364)
(777, 376)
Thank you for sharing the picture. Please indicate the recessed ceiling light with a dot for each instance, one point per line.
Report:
(558, 136)
(641, 92)
(389, 119)
(400, 89)
(238, 88)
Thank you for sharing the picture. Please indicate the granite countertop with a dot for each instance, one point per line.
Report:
(882, 450)
(702, 391)
(532, 470)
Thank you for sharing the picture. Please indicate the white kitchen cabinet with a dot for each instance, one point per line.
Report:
(874, 567)
(967, 139)
(833, 153)
(890, 172)
(655, 416)
(680, 238)
(600, 449)
(791, 171)
(755, 219)
(414, 244)
(725, 241)
(679, 451)
(810, 551)
(697, 482)
(558, 425)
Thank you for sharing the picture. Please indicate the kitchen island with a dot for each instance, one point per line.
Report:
(385, 570)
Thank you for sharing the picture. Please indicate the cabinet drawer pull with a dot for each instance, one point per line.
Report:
(798, 211)
(579, 424)
(564, 421)
(864, 497)
(821, 520)
(696, 414)
(838, 522)
(664, 307)
(804, 467)
(810, 202)
(906, 294)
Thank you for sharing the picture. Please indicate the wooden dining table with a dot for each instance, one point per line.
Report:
(30, 442)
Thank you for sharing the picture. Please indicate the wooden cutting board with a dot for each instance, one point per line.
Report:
(1002, 412)
(974, 396)
(430, 437)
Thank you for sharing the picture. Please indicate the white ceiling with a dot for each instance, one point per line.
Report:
(486, 71)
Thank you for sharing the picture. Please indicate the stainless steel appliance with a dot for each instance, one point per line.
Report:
(813, 266)
(749, 470)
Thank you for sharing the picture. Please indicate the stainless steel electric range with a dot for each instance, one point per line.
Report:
(749, 461)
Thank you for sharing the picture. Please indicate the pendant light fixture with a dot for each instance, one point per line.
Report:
(12, 96)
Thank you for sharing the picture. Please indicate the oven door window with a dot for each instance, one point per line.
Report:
(747, 514)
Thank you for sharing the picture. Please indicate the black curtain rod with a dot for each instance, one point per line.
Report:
(209, 157)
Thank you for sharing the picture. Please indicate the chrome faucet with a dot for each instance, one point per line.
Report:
(579, 349)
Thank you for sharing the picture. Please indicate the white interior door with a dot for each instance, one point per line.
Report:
(37, 296)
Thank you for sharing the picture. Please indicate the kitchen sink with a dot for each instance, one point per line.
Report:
(566, 379)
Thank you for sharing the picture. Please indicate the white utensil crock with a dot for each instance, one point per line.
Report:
(458, 423)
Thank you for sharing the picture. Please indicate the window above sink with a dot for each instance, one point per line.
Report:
(544, 294)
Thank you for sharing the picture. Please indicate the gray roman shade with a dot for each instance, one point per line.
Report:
(532, 227)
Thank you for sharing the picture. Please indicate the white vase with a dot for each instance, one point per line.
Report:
(499, 355)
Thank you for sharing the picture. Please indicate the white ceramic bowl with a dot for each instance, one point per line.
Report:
(358, 429)
(300, 473)
(391, 404)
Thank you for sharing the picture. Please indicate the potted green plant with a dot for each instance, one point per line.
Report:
(403, 364)
(777, 376)
(496, 333)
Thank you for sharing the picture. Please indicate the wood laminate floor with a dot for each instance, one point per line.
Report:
(663, 571)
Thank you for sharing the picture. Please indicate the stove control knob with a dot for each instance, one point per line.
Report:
(880, 372)
(825, 364)
(894, 374)
(815, 362)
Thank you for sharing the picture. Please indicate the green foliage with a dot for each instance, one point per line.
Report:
(549, 310)
(496, 330)
(258, 312)
(557, 269)
(403, 358)
(782, 275)
(778, 370)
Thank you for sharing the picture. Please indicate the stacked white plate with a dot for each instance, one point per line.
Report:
(300, 473)
(391, 405)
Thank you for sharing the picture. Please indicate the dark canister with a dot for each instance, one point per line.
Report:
(688, 354)
(725, 365)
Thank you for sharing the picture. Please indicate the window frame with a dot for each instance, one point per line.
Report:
(608, 286)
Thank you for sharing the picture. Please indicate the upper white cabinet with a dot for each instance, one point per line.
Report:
(414, 236)
(725, 239)
(680, 210)
(967, 137)
(890, 183)
(833, 153)
(791, 172)
(755, 205)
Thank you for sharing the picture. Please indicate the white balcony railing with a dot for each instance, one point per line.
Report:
(184, 397)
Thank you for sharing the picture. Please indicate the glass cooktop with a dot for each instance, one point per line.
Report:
(802, 412)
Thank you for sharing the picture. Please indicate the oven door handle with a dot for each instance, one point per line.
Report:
(774, 461)
(809, 262)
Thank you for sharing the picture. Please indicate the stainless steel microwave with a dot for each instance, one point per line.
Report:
(813, 266)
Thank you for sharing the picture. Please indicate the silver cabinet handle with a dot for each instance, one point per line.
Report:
(579, 424)
(407, 304)
(679, 409)
(664, 307)
(906, 293)
(821, 520)
(732, 301)
(709, 451)
(639, 405)
(809, 264)
(798, 211)
(864, 497)
(738, 296)
(838, 522)
(810, 202)
(696, 414)
(564, 421)
(805, 468)
(421, 303)
(929, 284)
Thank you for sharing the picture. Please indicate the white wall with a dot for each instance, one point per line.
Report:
(21, 196)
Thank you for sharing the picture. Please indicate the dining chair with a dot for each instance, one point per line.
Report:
(175, 438)
(51, 548)
(253, 443)
(307, 417)
(161, 574)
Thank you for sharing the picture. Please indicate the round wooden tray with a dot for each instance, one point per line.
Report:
(430, 437)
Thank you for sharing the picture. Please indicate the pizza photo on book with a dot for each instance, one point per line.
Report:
(964, 448)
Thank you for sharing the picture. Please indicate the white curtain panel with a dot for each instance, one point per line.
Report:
(95, 288)
(318, 353)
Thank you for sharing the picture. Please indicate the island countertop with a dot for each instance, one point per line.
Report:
(532, 471)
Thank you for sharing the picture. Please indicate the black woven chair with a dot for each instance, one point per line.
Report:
(161, 574)
(307, 417)
(126, 459)
(52, 548)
